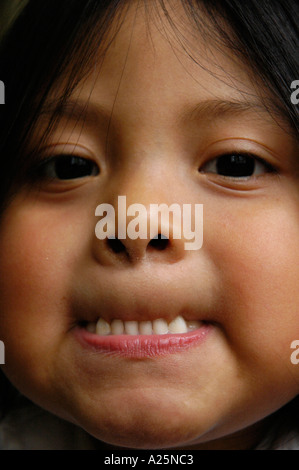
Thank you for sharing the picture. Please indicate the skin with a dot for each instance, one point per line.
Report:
(54, 272)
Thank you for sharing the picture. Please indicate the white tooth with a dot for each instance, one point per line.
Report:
(178, 325)
(145, 327)
(160, 326)
(103, 328)
(91, 327)
(193, 325)
(131, 327)
(117, 327)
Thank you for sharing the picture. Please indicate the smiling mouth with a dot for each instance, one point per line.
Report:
(158, 326)
(141, 339)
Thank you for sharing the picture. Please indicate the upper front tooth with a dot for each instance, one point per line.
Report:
(178, 325)
(160, 326)
(117, 327)
(131, 327)
(103, 328)
(145, 328)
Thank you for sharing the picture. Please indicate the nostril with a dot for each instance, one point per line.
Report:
(160, 242)
(115, 245)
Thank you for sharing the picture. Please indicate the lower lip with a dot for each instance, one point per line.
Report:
(142, 346)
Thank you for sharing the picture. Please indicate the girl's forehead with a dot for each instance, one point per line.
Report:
(141, 43)
(163, 64)
(147, 53)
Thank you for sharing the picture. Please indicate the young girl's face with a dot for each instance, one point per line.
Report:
(154, 130)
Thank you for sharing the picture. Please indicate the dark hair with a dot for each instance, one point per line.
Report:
(58, 38)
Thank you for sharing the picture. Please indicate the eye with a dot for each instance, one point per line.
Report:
(237, 165)
(67, 167)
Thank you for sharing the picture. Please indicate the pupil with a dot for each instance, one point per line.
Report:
(235, 165)
(72, 167)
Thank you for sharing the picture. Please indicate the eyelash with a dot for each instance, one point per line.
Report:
(75, 167)
(240, 163)
(49, 169)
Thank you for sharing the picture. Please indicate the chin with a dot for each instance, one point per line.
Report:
(144, 428)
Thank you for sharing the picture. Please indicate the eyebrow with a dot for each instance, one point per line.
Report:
(213, 109)
(210, 109)
(77, 110)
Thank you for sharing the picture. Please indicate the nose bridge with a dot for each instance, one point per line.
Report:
(148, 197)
(149, 174)
(148, 209)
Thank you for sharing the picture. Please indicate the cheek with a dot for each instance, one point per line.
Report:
(40, 247)
(265, 270)
(257, 255)
(32, 261)
(39, 255)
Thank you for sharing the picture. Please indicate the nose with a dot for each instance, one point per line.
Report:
(136, 234)
(136, 250)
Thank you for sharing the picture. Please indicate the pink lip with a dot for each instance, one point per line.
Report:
(142, 346)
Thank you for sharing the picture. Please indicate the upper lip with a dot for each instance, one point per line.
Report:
(146, 308)
(141, 295)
